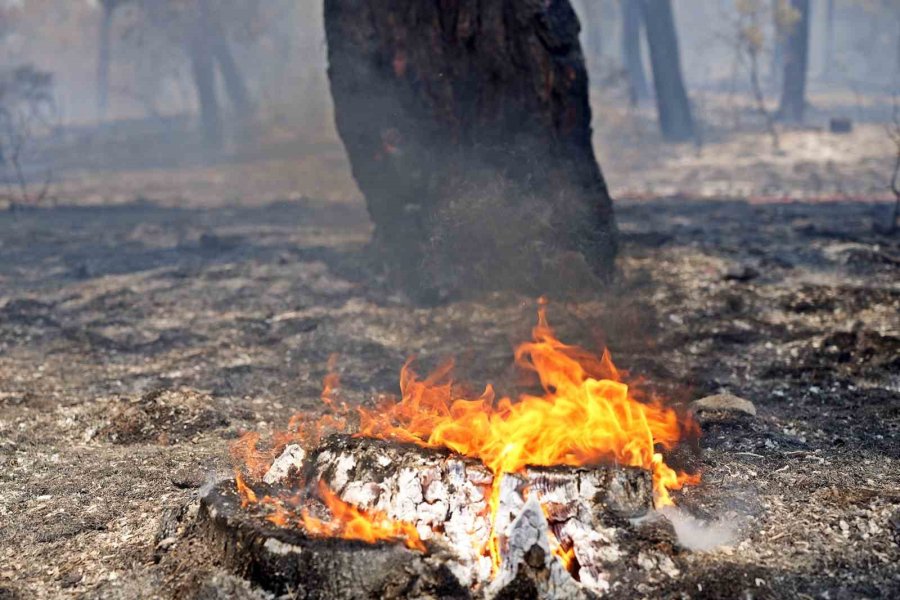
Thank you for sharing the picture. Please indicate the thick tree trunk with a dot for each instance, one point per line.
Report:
(103, 59)
(631, 51)
(793, 88)
(204, 73)
(455, 116)
(675, 119)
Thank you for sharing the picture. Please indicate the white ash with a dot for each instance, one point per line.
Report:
(431, 491)
(291, 458)
(527, 546)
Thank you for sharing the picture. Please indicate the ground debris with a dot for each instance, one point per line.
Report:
(164, 416)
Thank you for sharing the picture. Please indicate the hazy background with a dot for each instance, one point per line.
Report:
(279, 47)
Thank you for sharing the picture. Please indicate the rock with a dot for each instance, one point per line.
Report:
(69, 579)
(188, 478)
(740, 273)
(724, 403)
(840, 125)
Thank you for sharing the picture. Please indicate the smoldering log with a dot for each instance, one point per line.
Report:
(286, 561)
(436, 102)
(433, 489)
(588, 513)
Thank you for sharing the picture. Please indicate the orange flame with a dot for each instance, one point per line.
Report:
(347, 522)
(585, 416)
(351, 523)
(302, 430)
(248, 496)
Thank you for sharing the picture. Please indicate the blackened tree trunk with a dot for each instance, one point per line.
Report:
(675, 119)
(442, 102)
(796, 57)
(204, 73)
(632, 22)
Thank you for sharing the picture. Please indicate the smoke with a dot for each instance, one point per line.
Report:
(213, 479)
(697, 535)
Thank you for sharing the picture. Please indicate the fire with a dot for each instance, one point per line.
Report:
(248, 496)
(352, 523)
(347, 521)
(585, 415)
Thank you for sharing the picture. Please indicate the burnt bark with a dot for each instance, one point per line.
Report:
(796, 58)
(436, 102)
(676, 122)
(632, 23)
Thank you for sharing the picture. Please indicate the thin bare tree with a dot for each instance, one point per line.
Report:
(26, 107)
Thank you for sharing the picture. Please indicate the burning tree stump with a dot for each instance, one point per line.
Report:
(287, 561)
(560, 532)
(468, 129)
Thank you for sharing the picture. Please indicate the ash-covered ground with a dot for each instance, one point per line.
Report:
(138, 340)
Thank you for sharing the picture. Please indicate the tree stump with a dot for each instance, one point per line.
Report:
(468, 128)
(285, 561)
(592, 512)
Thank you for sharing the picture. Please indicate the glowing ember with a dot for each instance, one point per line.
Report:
(586, 416)
(351, 523)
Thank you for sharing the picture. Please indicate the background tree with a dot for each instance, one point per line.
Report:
(750, 40)
(104, 47)
(632, 25)
(675, 118)
(26, 112)
(796, 59)
(200, 28)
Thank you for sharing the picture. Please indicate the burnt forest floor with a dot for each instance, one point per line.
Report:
(138, 340)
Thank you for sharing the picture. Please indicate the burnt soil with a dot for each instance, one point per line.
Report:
(138, 340)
